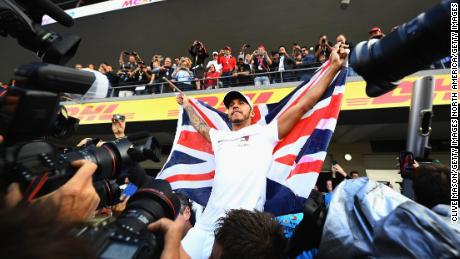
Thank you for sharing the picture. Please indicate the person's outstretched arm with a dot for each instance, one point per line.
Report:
(288, 120)
(197, 122)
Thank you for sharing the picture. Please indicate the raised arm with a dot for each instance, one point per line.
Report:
(121, 58)
(197, 122)
(288, 119)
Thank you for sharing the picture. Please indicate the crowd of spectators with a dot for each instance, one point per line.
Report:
(203, 69)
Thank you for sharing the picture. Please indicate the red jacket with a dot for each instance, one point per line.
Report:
(228, 63)
(211, 79)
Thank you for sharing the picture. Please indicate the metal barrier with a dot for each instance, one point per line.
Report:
(130, 89)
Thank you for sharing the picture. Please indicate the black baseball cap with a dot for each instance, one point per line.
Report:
(232, 95)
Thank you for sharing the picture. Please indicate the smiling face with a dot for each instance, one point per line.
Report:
(239, 112)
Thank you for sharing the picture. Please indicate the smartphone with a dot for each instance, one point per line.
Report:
(406, 163)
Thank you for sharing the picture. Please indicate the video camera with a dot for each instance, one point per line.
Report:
(413, 46)
(21, 19)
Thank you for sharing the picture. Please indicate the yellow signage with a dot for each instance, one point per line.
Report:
(166, 108)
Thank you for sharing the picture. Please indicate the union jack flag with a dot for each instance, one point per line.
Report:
(297, 159)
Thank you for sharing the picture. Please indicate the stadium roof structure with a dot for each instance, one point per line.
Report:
(168, 27)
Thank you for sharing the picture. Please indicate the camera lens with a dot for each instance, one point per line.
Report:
(153, 201)
(404, 51)
(110, 158)
(108, 191)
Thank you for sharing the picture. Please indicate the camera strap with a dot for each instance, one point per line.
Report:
(35, 186)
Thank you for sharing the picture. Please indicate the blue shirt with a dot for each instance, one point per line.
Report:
(289, 222)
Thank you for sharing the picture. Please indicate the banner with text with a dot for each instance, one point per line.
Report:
(98, 8)
(166, 108)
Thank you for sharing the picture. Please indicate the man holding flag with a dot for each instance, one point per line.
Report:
(243, 155)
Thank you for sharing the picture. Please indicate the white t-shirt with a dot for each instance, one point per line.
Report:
(281, 65)
(217, 66)
(242, 159)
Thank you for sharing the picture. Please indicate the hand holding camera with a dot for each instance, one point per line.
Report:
(118, 125)
(77, 198)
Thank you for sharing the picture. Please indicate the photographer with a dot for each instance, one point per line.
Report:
(322, 49)
(186, 213)
(285, 63)
(199, 55)
(261, 64)
(296, 49)
(127, 68)
(35, 232)
(76, 200)
(165, 71)
(243, 50)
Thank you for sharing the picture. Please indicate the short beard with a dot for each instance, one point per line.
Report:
(239, 121)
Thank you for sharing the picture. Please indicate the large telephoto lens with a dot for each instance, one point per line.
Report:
(111, 158)
(127, 236)
(413, 46)
(153, 201)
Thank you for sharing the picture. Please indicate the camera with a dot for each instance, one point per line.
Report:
(40, 169)
(323, 41)
(406, 164)
(118, 117)
(406, 50)
(21, 19)
(132, 53)
(127, 236)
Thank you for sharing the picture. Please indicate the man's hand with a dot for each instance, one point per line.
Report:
(173, 231)
(339, 54)
(118, 128)
(288, 119)
(77, 199)
(181, 99)
(338, 169)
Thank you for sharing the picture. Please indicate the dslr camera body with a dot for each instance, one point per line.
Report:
(127, 236)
